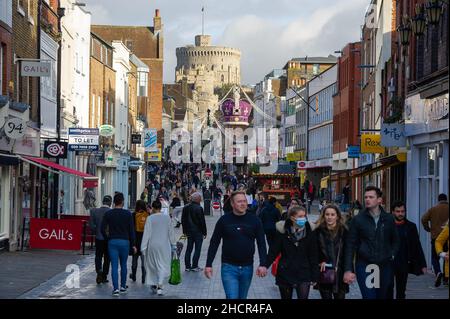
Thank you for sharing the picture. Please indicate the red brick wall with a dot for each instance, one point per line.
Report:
(147, 47)
(346, 103)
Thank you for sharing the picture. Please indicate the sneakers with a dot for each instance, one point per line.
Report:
(188, 269)
(159, 291)
(154, 289)
(123, 290)
(438, 281)
(196, 269)
(116, 293)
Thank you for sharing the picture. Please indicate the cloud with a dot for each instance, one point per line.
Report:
(267, 32)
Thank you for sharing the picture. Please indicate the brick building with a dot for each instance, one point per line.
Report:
(102, 107)
(147, 44)
(346, 115)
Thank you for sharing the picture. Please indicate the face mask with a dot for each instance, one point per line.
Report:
(301, 221)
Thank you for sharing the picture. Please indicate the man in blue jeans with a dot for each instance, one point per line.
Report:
(374, 239)
(118, 229)
(238, 231)
(194, 227)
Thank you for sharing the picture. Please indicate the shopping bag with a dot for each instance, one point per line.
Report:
(175, 272)
(275, 265)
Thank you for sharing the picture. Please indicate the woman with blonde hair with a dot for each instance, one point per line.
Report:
(331, 234)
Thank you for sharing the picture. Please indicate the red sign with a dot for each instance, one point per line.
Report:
(301, 165)
(208, 173)
(55, 234)
(216, 205)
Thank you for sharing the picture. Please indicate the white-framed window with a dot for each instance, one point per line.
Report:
(107, 111)
(21, 5)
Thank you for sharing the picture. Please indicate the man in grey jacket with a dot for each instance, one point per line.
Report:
(101, 245)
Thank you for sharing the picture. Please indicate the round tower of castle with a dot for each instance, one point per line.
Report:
(203, 59)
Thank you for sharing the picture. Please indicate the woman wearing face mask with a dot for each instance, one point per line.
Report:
(297, 244)
(331, 233)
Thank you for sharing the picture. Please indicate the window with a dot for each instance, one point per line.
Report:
(21, 5)
(107, 111)
(129, 44)
(143, 84)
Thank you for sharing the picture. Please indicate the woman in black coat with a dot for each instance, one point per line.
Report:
(331, 233)
(298, 266)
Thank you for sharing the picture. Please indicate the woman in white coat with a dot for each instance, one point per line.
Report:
(157, 243)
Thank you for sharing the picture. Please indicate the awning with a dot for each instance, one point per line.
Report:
(89, 181)
(376, 168)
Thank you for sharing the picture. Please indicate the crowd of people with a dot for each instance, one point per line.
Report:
(328, 255)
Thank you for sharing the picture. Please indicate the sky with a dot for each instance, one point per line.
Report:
(267, 32)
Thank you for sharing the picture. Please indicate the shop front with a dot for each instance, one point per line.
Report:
(428, 157)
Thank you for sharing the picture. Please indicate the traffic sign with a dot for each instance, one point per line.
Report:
(216, 205)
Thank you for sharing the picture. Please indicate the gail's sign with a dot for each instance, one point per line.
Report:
(55, 234)
(35, 69)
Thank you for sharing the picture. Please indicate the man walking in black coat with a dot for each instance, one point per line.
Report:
(373, 237)
(194, 227)
(410, 258)
(269, 216)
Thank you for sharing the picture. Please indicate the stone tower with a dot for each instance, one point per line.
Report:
(207, 67)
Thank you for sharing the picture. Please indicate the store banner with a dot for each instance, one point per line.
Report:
(55, 149)
(393, 135)
(151, 140)
(371, 143)
(55, 234)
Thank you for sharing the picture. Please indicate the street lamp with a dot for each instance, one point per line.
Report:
(433, 11)
(419, 22)
(404, 31)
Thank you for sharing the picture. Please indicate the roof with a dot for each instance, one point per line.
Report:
(139, 64)
(283, 170)
(307, 59)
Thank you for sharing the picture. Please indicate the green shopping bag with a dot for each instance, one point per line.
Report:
(175, 272)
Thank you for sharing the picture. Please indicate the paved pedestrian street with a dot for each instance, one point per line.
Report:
(194, 285)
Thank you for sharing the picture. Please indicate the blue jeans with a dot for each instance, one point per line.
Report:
(193, 239)
(236, 280)
(118, 250)
(386, 281)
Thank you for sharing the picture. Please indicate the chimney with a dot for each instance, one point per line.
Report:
(157, 21)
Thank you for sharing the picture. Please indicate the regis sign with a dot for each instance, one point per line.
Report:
(55, 234)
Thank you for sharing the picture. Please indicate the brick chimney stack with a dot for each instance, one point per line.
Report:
(157, 21)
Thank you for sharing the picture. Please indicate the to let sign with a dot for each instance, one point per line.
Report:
(371, 143)
(83, 139)
(55, 234)
(35, 69)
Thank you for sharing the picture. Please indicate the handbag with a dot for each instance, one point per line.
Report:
(328, 277)
(275, 265)
(175, 271)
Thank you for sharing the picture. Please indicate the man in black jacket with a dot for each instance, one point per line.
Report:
(410, 257)
(194, 227)
(269, 216)
(374, 238)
